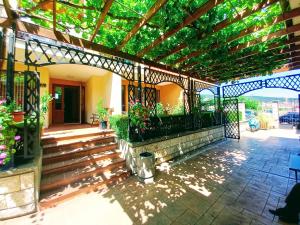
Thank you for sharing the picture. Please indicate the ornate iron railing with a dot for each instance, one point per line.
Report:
(164, 126)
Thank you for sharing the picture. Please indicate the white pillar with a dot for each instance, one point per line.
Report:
(275, 114)
(116, 94)
(242, 109)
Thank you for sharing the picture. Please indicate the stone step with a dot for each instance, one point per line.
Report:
(51, 138)
(77, 153)
(52, 198)
(90, 172)
(72, 164)
(76, 143)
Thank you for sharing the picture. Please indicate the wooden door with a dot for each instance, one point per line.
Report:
(58, 104)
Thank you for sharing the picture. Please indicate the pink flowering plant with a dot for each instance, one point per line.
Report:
(8, 132)
(138, 115)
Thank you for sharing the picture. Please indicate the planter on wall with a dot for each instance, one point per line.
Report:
(18, 116)
(103, 125)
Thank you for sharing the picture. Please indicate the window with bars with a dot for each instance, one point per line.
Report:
(18, 87)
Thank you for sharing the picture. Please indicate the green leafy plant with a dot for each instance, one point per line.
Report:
(8, 132)
(14, 107)
(119, 123)
(45, 100)
(138, 115)
(102, 112)
(178, 109)
(160, 111)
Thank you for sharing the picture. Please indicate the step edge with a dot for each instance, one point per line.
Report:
(97, 171)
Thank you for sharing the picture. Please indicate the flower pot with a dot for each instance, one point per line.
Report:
(103, 125)
(8, 165)
(18, 116)
(146, 167)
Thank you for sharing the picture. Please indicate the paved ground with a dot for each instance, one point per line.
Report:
(230, 183)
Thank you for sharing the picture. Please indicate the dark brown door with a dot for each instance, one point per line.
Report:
(58, 104)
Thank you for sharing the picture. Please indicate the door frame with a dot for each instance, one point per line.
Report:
(54, 81)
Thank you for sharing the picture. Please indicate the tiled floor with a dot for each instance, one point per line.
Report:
(230, 183)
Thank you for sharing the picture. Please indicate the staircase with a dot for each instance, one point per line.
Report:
(79, 161)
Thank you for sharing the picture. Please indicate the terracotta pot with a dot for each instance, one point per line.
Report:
(18, 116)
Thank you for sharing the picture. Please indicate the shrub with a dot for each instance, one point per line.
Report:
(119, 123)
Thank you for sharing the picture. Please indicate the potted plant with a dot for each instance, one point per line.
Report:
(103, 114)
(8, 135)
(44, 107)
(17, 111)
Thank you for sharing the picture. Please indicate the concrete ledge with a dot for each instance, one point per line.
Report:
(170, 147)
(19, 190)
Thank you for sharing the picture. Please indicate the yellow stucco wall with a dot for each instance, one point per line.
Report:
(171, 94)
(106, 87)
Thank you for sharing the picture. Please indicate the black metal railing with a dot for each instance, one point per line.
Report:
(164, 126)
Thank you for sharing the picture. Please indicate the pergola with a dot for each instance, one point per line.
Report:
(212, 40)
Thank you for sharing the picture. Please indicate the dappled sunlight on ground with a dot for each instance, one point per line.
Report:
(228, 183)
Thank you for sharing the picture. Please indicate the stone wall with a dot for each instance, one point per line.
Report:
(171, 147)
(19, 190)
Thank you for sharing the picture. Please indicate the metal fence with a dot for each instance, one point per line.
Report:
(161, 127)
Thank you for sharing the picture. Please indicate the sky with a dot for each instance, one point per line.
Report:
(272, 92)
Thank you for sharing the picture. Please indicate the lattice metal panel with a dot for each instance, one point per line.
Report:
(39, 53)
(32, 113)
(236, 90)
(155, 77)
(291, 82)
(200, 86)
(131, 94)
(150, 100)
(231, 118)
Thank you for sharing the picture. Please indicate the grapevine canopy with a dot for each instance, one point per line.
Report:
(214, 40)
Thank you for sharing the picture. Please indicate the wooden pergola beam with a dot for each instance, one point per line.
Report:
(22, 26)
(54, 15)
(270, 47)
(288, 50)
(39, 5)
(277, 34)
(255, 67)
(285, 16)
(101, 19)
(152, 11)
(225, 23)
(190, 19)
(171, 52)
(285, 56)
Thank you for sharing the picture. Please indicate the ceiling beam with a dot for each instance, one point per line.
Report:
(188, 20)
(152, 11)
(225, 23)
(101, 19)
(285, 16)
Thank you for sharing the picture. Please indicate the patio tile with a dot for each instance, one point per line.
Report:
(187, 218)
(231, 183)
